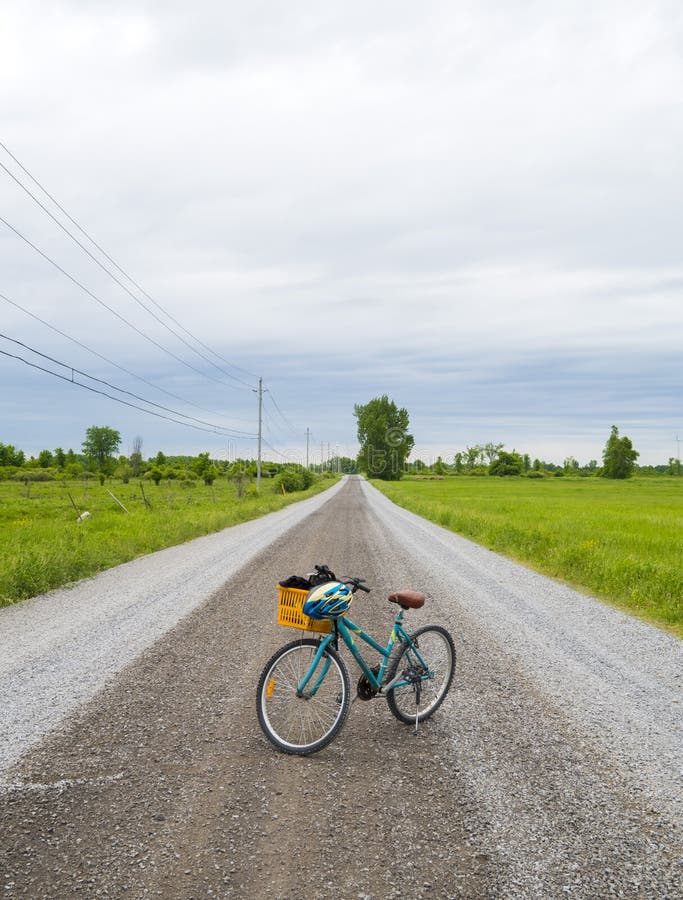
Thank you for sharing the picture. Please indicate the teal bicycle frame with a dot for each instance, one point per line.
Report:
(349, 632)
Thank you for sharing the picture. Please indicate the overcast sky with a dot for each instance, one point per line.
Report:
(474, 207)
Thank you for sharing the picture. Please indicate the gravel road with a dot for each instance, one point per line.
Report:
(554, 768)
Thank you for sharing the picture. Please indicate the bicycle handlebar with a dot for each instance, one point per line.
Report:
(357, 584)
(324, 573)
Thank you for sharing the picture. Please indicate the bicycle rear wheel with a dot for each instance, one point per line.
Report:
(302, 724)
(427, 663)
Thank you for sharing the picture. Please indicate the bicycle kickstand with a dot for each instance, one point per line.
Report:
(418, 695)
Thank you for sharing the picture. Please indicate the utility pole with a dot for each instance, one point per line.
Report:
(308, 438)
(260, 427)
(322, 457)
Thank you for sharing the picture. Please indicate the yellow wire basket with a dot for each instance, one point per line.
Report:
(290, 611)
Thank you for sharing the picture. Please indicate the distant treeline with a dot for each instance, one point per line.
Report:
(59, 464)
(479, 459)
(618, 461)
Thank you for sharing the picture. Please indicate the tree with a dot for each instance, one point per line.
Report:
(9, 456)
(123, 469)
(100, 445)
(60, 457)
(136, 456)
(619, 457)
(200, 465)
(385, 443)
(343, 464)
(571, 465)
(416, 467)
(246, 466)
(45, 459)
(491, 451)
(439, 467)
(507, 464)
(474, 456)
(203, 467)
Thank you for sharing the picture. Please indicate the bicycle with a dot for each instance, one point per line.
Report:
(304, 691)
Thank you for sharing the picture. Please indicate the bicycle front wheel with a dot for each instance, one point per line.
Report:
(427, 664)
(302, 722)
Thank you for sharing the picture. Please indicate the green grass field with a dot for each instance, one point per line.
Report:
(621, 541)
(43, 546)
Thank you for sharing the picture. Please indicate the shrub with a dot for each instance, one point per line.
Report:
(309, 477)
(290, 481)
(155, 474)
(185, 476)
(210, 474)
(33, 475)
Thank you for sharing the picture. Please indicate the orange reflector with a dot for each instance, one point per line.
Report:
(270, 688)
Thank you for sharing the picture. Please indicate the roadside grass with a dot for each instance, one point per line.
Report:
(43, 546)
(621, 541)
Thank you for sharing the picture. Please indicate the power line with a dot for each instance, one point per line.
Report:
(105, 358)
(123, 287)
(283, 416)
(105, 394)
(273, 427)
(119, 268)
(284, 456)
(113, 311)
(217, 429)
(116, 280)
(270, 447)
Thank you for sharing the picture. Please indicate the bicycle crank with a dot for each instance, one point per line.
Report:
(366, 690)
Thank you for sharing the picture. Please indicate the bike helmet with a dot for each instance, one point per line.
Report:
(328, 601)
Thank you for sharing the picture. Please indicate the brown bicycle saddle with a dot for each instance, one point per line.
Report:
(408, 599)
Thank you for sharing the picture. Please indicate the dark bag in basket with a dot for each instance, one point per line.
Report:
(296, 581)
(321, 576)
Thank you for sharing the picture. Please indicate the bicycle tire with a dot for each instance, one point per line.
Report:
(438, 652)
(295, 724)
